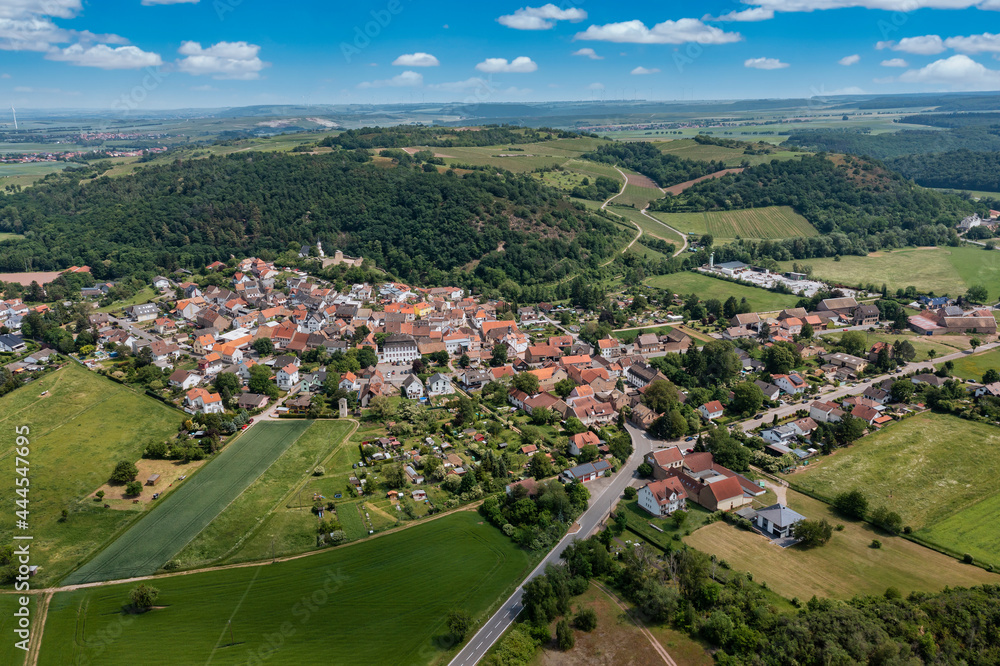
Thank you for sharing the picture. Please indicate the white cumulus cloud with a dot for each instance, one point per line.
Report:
(596, 86)
(406, 79)
(887, 5)
(225, 60)
(895, 62)
(847, 61)
(643, 70)
(588, 53)
(541, 18)
(984, 43)
(680, 31)
(764, 63)
(103, 56)
(418, 59)
(959, 71)
(922, 45)
(746, 16)
(27, 8)
(519, 65)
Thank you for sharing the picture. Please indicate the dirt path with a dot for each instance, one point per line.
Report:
(680, 187)
(667, 659)
(638, 228)
(780, 491)
(41, 612)
(667, 226)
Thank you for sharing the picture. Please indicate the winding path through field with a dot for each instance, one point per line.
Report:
(667, 659)
(620, 192)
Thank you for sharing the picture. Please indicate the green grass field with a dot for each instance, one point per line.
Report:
(769, 222)
(937, 471)
(184, 513)
(78, 432)
(647, 225)
(706, 287)
(8, 604)
(5, 236)
(941, 344)
(381, 601)
(950, 270)
(250, 514)
(731, 157)
(844, 567)
(973, 367)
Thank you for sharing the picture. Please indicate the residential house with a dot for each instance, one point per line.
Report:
(399, 348)
(784, 434)
(804, 427)
(184, 379)
(711, 410)
(770, 391)
(287, 377)
(12, 343)
(825, 412)
(580, 440)
(202, 401)
(792, 383)
(413, 388)
(586, 472)
(144, 312)
(609, 348)
(661, 498)
(865, 413)
(647, 343)
(251, 401)
(777, 521)
(852, 363)
(439, 384)
(865, 315)
(664, 460)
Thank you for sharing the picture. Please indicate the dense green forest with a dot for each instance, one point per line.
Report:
(959, 169)
(897, 144)
(857, 205)
(443, 137)
(422, 226)
(665, 170)
(953, 120)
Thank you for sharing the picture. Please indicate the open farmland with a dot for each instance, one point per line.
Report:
(706, 287)
(151, 542)
(79, 430)
(732, 157)
(252, 513)
(973, 366)
(649, 227)
(942, 345)
(937, 471)
(844, 567)
(355, 611)
(770, 222)
(941, 270)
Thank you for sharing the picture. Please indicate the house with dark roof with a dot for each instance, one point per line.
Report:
(777, 521)
(586, 472)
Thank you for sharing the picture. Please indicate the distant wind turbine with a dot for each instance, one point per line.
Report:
(14, 113)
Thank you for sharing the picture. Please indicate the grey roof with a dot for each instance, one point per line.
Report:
(780, 515)
(590, 468)
(731, 265)
(436, 377)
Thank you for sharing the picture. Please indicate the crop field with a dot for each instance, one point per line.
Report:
(973, 367)
(150, 543)
(638, 196)
(950, 270)
(688, 282)
(692, 150)
(648, 226)
(344, 603)
(8, 604)
(250, 514)
(937, 471)
(769, 222)
(844, 567)
(79, 430)
(527, 157)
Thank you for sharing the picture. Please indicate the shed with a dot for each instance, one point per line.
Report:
(151, 481)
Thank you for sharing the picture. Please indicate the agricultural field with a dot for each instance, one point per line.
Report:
(647, 253)
(692, 150)
(144, 295)
(176, 520)
(341, 602)
(648, 226)
(942, 345)
(973, 366)
(844, 567)
(8, 604)
(528, 157)
(937, 471)
(79, 430)
(250, 515)
(27, 174)
(689, 282)
(5, 236)
(941, 270)
(725, 226)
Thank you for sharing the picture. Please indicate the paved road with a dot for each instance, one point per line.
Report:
(600, 506)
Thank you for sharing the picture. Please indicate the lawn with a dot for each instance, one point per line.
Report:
(6, 236)
(689, 282)
(769, 222)
(144, 295)
(941, 344)
(80, 429)
(629, 336)
(945, 270)
(844, 567)
(249, 517)
(381, 601)
(175, 521)
(973, 366)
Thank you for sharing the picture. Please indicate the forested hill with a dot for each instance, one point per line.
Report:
(443, 137)
(858, 205)
(959, 169)
(420, 225)
(646, 158)
(896, 144)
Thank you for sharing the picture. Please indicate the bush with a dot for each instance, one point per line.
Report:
(876, 544)
(564, 635)
(890, 521)
(586, 619)
(319, 471)
(630, 493)
(852, 504)
(143, 597)
(459, 623)
(124, 472)
(967, 558)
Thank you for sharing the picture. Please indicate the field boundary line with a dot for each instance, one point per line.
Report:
(41, 615)
(645, 632)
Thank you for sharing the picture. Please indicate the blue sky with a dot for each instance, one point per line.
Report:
(161, 54)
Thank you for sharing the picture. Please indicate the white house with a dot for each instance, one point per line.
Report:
(824, 412)
(780, 434)
(413, 388)
(793, 384)
(662, 498)
(201, 400)
(184, 379)
(288, 377)
(711, 410)
(777, 520)
(349, 382)
(399, 348)
(438, 384)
